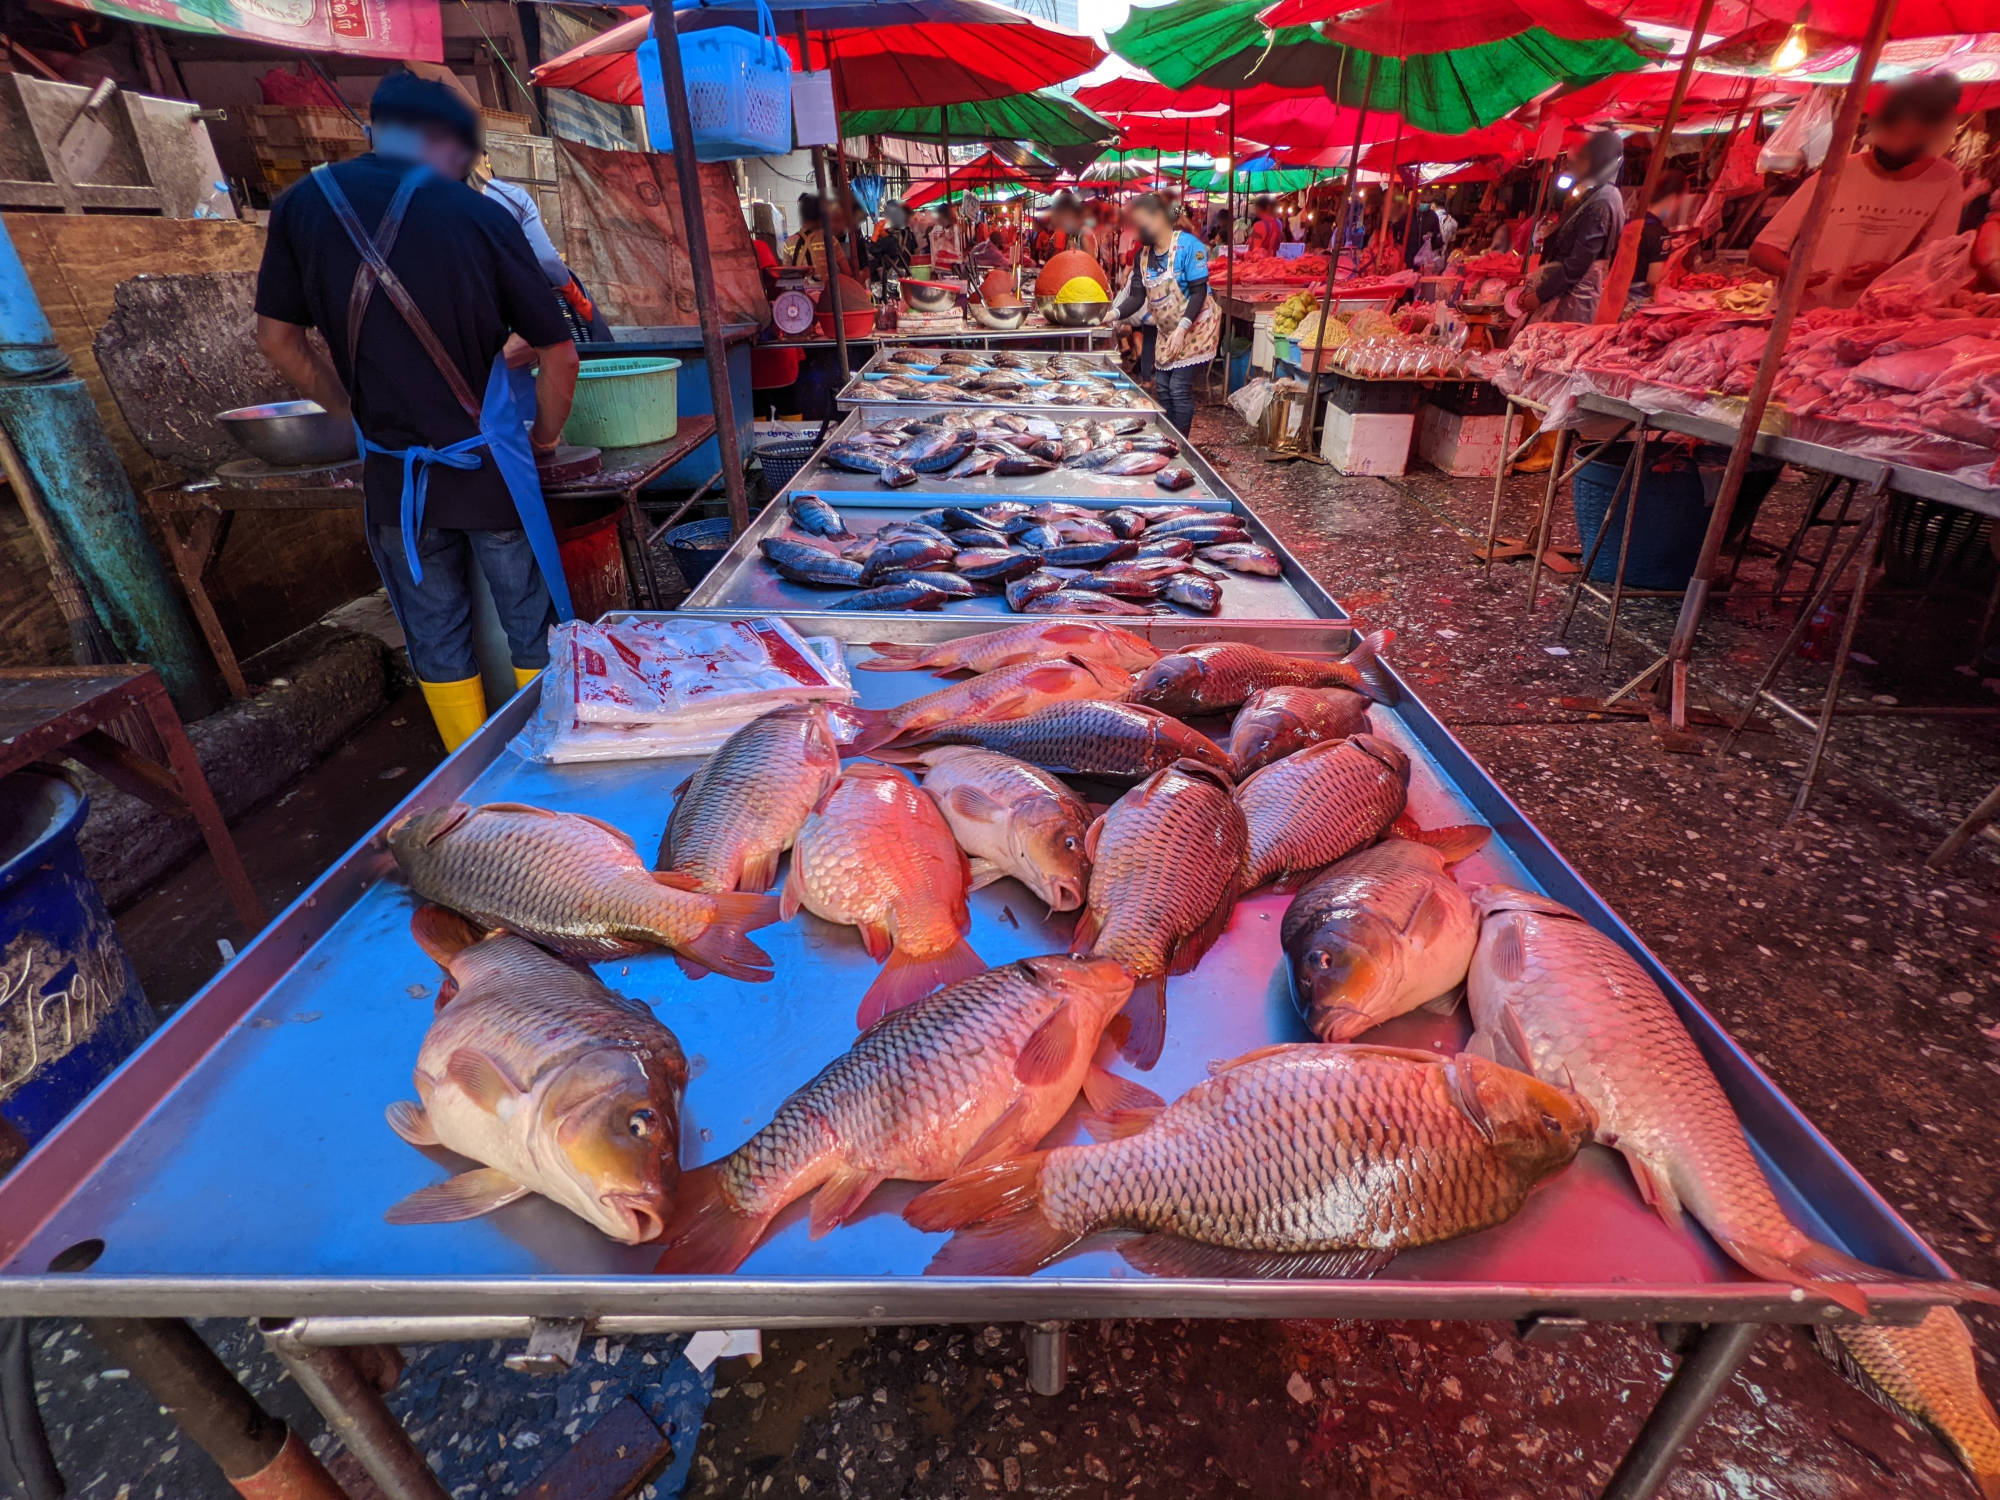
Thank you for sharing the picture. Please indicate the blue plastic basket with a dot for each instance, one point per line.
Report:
(697, 546)
(739, 88)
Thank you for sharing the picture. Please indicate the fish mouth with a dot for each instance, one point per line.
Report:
(1064, 894)
(1341, 1024)
(640, 1218)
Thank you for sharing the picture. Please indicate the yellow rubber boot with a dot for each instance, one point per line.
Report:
(525, 675)
(458, 707)
(1541, 457)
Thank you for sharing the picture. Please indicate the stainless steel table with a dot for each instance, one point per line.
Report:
(859, 390)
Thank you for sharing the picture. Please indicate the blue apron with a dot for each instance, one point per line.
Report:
(503, 415)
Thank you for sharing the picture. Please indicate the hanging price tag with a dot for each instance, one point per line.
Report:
(813, 118)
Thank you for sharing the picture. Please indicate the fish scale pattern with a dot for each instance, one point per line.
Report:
(1169, 854)
(1326, 801)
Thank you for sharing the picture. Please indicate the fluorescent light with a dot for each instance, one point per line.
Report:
(1791, 52)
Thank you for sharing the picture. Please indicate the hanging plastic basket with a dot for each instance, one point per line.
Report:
(739, 89)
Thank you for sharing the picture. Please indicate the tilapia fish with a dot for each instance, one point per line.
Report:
(1551, 993)
(908, 594)
(737, 815)
(1931, 1372)
(1382, 932)
(1218, 676)
(1192, 591)
(576, 885)
(1071, 601)
(1012, 818)
(877, 855)
(1245, 557)
(1082, 738)
(552, 1082)
(802, 562)
(1004, 693)
(1166, 866)
(1300, 1160)
(1309, 809)
(815, 517)
(1016, 643)
(977, 1072)
(1276, 721)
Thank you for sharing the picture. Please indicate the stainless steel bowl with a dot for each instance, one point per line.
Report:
(1075, 314)
(999, 319)
(930, 296)
(290, 434)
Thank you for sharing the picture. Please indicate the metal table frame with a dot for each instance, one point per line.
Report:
(972, 335)
(856, 393)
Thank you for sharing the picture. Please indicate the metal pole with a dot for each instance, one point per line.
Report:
(832, 296)
(1672, 684)
(54, 425)
(1048, 1358)
(354, 1409)
(1339, 233)
(1705, 1370)
(700, 261)
(1229, 235)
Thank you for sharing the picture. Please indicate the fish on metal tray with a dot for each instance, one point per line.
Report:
(909, 594)
(575, 885)
(815, 517)
(1086, 554)
(1023, 591)
(1213, 529)
(1385, 931)
(1292, 1160)
(899, 530)
(1040, 535)
(1275, 721)
(969, 537)
(1076, 601)
(1117, 741)
(802, 562)
(1000, 513)
(1012, 645)
(905, 552)
(1012, 818)
(930, 518)
(1125, 522)
(1245, 557)
(975, 1073)
(1174, 479)
(1219, 675)
(736, 816)
(1169, 546)
(1094, 458)
(994, 564)
(933, 452)
(1131, 465)
(862, 458)
(1014, 467)
(1323, 802)
(958, 518)
(555, 1084)
(953, 584)
(1003, 693)
(975, 463)
(1192, 591)
(1073, 530)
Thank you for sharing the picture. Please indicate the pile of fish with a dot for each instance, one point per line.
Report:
(1050, 558)
(1009, 445)
(981, 378)
(1323, 1158)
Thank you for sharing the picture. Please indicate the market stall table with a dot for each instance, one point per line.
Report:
(195, 517)
(861, 390)
(970, 336)
(145, 1202)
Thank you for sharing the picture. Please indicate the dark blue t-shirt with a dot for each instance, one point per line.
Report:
(468, 267)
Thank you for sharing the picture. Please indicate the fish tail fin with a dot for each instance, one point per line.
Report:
(1455, 841)
(863, 729)
(706, 1235)
(1366, 660)
(906, 978)
(1813, 1266)
(722, 945)
(893, 656)
(443, 933)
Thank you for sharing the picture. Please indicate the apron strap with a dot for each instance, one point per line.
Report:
(374, 261)
(384, 240)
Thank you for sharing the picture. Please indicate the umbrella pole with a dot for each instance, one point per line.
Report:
(827, 209)
(687, 171)
(1389, 189)
(1333, 246)
(1670, 673)
(1229, 229)
(840, 167)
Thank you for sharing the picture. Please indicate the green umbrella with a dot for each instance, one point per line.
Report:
(1043, 118)
(1222, 44)
(1278, 180)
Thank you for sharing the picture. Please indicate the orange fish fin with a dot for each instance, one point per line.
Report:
(895, 755)
(480, 1078)
(691, 968)
(1084, 936)
(443, 933)
(722, 945)
(706, 1235)
(873, 728)
(466, 1196)
(1465, 1094)
(876, 939)
(411, 1123)
(793, 896)
(1654, 1188)
(1110, 1039)
(894, 656)
(1222, 1065)
(1507, 953)
(988, 1192)
(970, 802)
(1017, 1245)
(1188, 951)
(1147, 1010)
(674, 880)
(998, 1141)
(1366, 661)
(1051, 1050)
(1454, 841)
(1432, 916)
(1170, 1255)
(1816, 1267)
(1050, 677)
(906, 979)
(1107, 1093)
(838, 1198)
(758, 872)
(1116, 1124)
(1069, 635)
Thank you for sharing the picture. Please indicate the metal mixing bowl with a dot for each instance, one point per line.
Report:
(290, 434)
(1075, 314)
(999, 319)
(930, 296)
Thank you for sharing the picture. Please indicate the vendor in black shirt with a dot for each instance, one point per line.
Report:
(1578, 252)
(450, 475)
(1651, 265)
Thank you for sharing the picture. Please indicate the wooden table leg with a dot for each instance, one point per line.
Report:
(1988, 811)
(192, 553)
(181, 760)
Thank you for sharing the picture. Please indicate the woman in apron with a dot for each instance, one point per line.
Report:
(1172, 285)
(1578, 255)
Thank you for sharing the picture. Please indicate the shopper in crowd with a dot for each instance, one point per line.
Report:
(947, 243)
(809, 246)
(1267, 230)
(449, 478)
(1579, 251)
(1895, 196)
(1420, 231)
(1172, 284)
(895, 247)
(1661, 217)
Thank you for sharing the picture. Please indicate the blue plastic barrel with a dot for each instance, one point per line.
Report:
(71, 1008)
(1671, 515)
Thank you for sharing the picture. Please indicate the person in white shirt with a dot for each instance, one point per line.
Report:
(587, 324)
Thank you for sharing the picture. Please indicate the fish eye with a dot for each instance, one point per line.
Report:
(1551, 1124)
(1069, 842)
(1322, 959)
(644, 1121)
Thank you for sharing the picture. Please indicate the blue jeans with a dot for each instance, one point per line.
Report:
(1174, 389)
(436, 614)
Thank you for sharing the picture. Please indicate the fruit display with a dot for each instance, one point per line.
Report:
(1285, 318)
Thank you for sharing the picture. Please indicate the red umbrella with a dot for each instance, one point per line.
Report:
(1625, 96)
(893, 55)
(1847, 19)
(985, 170)
(1167, 133)
(1396, 28)
(1146, 96)
(1502, 138)
(1477, 172)
(1310, 123)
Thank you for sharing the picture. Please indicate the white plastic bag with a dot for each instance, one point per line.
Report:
(1801, 139)
(1252, 400)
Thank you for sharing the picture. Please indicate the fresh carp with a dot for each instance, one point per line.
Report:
(802, 562)
(1931, 1372)
(1004, 693)
(738, 814)
(1012, 818)
(1216, 677)
(576, 885)
(1300, 1160)
(1166, 867)
(1276, 721)
(877, 855)
(1382, 932)
(1551, 993)
(1245, 557)
(1082, 738)
(975, 1073)
(1309, 809)
(552, 1082)
(1013, 645)
(815, 517)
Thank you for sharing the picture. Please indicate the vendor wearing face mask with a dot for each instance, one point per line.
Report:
(1894, 197)
(1578, 251)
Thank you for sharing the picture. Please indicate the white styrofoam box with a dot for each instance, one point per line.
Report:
(1367, 442)
(1262, 351)
(1465, 446)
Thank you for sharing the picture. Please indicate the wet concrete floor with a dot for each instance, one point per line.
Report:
(1862, 982)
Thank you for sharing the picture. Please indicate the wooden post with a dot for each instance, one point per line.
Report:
(1671, 686)
(687, 171)
(832, 294)
(1339, 231)
(1229, 231)
(1389, 190)
(840, 181)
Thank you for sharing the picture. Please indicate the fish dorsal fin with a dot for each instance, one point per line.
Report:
(517, 807)
(617, 833)
(1465, 1094)
(460, 812)
(442, 933)
(1401, 1054)
(481, 1079)
(1219, 1066)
